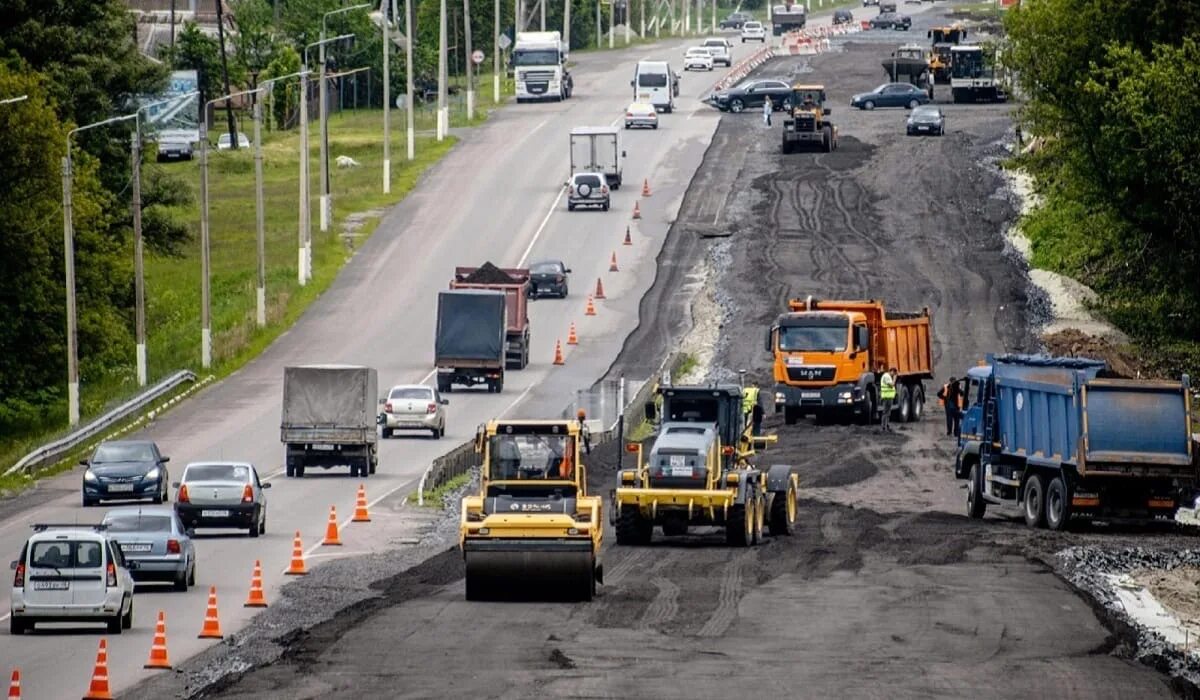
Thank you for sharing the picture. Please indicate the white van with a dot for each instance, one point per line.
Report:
(654, 82)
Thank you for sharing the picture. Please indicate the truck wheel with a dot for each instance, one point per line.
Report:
(387, 433)
(300, 471)
(1035, 502)
(791, 414)
(499, 386)
(739, 528)
(760, 517)
(827, 139)
(1058, 504)
(917, 409)
(902, 404)
(375, 463)
(868, 410)
(783, 512)
(976, 506)
(632, 528)
(364, 469)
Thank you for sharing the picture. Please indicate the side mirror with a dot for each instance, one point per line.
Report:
(630, 83)
(567, 270)
(445, 402)
(265, 486)
(175, 484)
(164, 460)
(567, 183)
(190, 532)
(382, 400)
(651, 410)
(827, 111)
(83, 463)
(13, 564)
(623, 155)
(133, 565)
(767, 339)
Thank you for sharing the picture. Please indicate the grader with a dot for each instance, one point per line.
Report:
(806, 123)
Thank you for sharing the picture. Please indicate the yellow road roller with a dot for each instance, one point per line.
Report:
(532, 527)
(700, 472)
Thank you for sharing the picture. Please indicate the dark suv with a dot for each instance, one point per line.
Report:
(735, 20)
(843, 17)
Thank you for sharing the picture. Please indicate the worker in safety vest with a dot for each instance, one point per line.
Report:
(887, 396)
(950, 396)
(751, 406)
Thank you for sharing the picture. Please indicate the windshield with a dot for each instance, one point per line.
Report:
(697, 52)
(546, 268)
(522, 457)
(138, 523)
(719, 43)
(590, 180)
(813, 338)
(806, 97)
(123, 453)
(969, 64)
(416, 393)
(752, 25)
(217, 472)
(652, 79)
(703, 410)
(535, 57)
(66, 554)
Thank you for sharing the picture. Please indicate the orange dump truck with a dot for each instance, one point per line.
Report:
(827, 354)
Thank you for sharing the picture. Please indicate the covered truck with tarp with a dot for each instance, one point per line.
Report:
(329, 418)
(1060, 439)
(469, 339)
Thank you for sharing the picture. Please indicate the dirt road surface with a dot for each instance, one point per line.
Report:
(885, 589)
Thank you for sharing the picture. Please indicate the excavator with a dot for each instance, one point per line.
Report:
(533, 527)
(700, 472)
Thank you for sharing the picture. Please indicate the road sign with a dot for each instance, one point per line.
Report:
(505, 42)
(401, 101)
(477, 57)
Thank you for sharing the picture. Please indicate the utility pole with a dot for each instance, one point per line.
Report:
(260, 294)
(139, 281)
(304, 215)
(627, 13)
(387, 99)
(172, 24)
(612, 30)
(542, 6)
(567, 24)
(643, 32)
(714, 16)
(599, 34)
(442, 126)
(233, 140)
(408, 64)
(323, 135)
(470, 62)
(496, 52)
(69, 260)
(205, 320)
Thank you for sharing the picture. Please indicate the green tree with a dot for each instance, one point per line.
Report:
(285, 94)
(256, 40)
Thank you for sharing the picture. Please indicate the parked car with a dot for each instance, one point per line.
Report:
(926, 119)
(891, 20)
(174, 149)
(754, 31)
(697, 58)
(735, 20)
(223, 495)
(641, 114)
(843, 17)
(550, 278)
(125, 470)
(752, 94)
(891, 95)
(71, 573)
(588, 190)
(721, 50)
(223, 141)
(156, 539)
(414, 407)
(870, 2)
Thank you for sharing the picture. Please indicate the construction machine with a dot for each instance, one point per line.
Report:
(533, 524)
(909, 63)
(806, 123)
(943, 39)
(700, 472)
(973, 74)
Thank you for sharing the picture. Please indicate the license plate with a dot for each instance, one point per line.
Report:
(810, 394)
(922, 128)
(681, 471)
(214, 514)
(120, 488)
(323, 447)
(136, 547)
(51, 585)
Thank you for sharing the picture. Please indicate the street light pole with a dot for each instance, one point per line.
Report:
(260, 292)
(323, 110)
(268, 87)
(387, 99)
(496, 52)
(469, 64)
(443, 115)
(409, 118)
(139, 285)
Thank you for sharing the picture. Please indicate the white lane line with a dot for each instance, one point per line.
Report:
(537, 234)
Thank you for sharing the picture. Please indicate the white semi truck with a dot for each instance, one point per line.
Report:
(539, 61)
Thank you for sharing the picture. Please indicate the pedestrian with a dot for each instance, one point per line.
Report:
(767, 107)
(887, 396)
(951, 397)
(929, 80)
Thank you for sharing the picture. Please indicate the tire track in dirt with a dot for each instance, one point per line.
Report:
(664, 606)
(730, 595)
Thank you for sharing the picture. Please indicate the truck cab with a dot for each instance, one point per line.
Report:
(539, 61)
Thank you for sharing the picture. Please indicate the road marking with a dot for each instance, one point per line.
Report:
(537, 234)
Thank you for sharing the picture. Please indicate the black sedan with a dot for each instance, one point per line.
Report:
(843, 17)
(735, 20)
(891, 95)
(926, 119)
(548, 278)
(891, 20)
(125, 470)
(752, 94)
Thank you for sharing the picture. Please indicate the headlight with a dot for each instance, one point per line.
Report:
(152, 474)
(89, 476)
(779, 396)
(844, 395)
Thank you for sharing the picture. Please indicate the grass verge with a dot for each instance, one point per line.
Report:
(434, 497)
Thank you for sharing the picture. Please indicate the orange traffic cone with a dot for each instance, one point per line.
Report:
(212, 626)
(256, 599)
(600, 289)
(297, 566)
(637, 211)
(646, 188)
(98, 689)
(558, 356)
(331, 530)
(360, 507)
(591, 308)
(14, 688)
(612, 266)
(572, 339)
(158, 648)
(628, 240)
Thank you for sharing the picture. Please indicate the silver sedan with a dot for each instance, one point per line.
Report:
(155, 538)
(222, 494)
(414, 407)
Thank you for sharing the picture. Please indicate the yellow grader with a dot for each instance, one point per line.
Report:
(533, 523)
(805, 124)
(699, 472)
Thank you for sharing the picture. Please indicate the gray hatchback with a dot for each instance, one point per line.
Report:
(588, 189)
(155, 538)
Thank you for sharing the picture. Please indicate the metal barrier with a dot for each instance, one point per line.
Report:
(54, 450)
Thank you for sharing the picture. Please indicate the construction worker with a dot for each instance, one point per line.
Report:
(751, 406)
(767, 107)
(950, 396)
(887, 396)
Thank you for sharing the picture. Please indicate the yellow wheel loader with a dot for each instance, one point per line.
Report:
(532, 528)
(806, 123)
(700, 472)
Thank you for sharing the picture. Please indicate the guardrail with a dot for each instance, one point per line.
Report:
(56, 449)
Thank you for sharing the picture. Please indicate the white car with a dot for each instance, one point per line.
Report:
(71, 573)
(223, 142)
(697, 58)
(754, 31)
(721, 50)
(414, 407)
(641, 114)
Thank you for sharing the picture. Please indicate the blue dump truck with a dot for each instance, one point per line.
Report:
(1059, 440)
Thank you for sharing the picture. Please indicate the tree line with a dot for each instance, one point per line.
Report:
(1111, 88)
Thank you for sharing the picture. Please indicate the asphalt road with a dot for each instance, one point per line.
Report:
(886, 589)
(496, 196)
